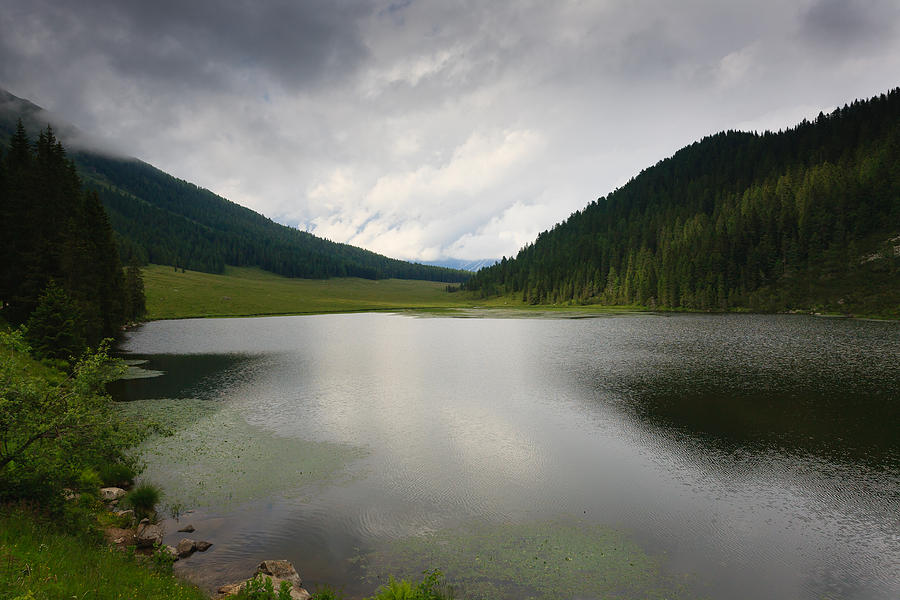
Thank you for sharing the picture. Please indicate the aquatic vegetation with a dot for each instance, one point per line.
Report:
(134, 370)
(543, 561)
(209, 455)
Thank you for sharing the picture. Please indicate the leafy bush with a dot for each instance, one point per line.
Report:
(54, 425)
(89, 482)
(143, 499)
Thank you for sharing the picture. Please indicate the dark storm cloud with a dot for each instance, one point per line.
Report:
(201, 42)
(838, 24)
(430, 128)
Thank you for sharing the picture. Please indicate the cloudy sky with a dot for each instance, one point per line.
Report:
(430, 129)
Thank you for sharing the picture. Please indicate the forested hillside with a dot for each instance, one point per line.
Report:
(800, 219)
(161, 219)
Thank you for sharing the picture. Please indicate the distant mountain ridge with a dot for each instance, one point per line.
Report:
(803, 219)
(161, 219)
(462, 263)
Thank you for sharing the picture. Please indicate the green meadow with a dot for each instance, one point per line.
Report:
(243, 291)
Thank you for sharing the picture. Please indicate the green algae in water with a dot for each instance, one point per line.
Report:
(538, 561)
(214, 458)
(136, 371)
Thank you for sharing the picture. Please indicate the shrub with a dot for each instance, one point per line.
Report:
(89, 482)
(117, 474)
(143, 499)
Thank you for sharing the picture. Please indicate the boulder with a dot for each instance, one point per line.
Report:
(186, 547)
(282, 569)
(108, 494)
(187, 529)
(148, 535)
(278, 571)
(202, 546)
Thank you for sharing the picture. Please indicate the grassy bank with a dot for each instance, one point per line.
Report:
(40, 560)
(242, 291)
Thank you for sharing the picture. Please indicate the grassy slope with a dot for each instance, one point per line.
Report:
(37, 560)
(246, 291)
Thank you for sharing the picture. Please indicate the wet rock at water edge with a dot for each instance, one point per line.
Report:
(186, 547)
(187, 529)
(148, 535)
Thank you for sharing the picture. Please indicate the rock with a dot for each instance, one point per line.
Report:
(202, 546)
(148, 535)
(186, 547)
(232, 588)
(129, 514)
(108, 494)
(187, 529)
(119, 537)
(145, 521)
(173, 552)
(278, 571)
(282, 569)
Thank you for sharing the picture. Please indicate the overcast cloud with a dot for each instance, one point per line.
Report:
(425, 130)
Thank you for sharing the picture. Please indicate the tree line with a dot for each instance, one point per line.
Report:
(805, 217)
(60, 272)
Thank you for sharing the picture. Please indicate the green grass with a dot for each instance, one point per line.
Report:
(39, 561)
(242, 291)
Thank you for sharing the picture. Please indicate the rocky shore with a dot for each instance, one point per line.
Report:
(147, 536)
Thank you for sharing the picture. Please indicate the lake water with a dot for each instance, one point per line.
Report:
(734, 456)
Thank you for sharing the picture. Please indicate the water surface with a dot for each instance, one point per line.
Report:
(734, 456)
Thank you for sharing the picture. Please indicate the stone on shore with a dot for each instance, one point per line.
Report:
(202, 546)
(278, 571)
(108, 494)
(148, 535)
(187, 529)
(186, 547)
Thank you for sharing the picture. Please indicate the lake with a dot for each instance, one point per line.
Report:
(631, 456)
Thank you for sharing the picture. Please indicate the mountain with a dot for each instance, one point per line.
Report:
(802, 219)
(162, 219)
(463, 264)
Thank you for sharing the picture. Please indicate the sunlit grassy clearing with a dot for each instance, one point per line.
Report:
(244, 291)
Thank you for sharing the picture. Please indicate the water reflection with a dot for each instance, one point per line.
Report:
(753, 456)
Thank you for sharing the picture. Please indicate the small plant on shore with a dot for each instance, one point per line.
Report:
(143, 499)
(261, 588)
(162, 559)
(326, 592)
(432, 587)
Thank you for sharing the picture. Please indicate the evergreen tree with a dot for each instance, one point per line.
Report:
(54, 329)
